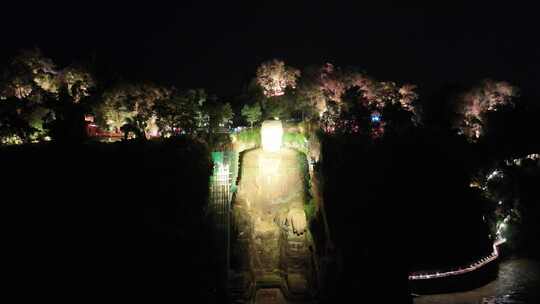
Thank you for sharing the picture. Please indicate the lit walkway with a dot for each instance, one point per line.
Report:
(471, 267)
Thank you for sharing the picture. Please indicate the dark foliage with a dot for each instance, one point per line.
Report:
(122, 221)
(398, 205)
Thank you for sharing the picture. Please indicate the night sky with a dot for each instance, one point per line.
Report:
(217, 45)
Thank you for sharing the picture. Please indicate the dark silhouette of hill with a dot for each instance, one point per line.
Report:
(117, 221)
(399, 205)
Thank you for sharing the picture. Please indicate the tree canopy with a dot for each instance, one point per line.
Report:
(35, 92)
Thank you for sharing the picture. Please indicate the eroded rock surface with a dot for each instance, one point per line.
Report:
(271, 226)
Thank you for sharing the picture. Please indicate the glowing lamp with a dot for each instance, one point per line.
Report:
(271, 134)
(375, 117)
(89, 118)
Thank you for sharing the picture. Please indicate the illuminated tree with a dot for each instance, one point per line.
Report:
(227, 114)
(274, 77)
(14, 128)
(391, 107)
(134, 104)
(408, 96)
(78, 81)
(354, 102)
(332, 82)
(219, 116)
(182, 113)
(29, 74)
(330, 118)
(473, 106)
(39, 90)
(175, 115)
(311, 100)
(198, 98)
(252, 114)
(35, 119)
(276, 109)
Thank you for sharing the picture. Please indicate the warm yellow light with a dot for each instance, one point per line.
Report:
(271, 134)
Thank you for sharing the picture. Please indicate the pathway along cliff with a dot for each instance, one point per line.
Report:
(518, 282)
(270, 252)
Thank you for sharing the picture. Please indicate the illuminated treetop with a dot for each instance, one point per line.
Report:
(31, 73)
(28, 72)
(473, 105)
(131, 101)
(274, 77)
(78, 81)
(348, 95)
(334, 83)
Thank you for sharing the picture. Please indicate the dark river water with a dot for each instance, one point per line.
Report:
(518, 282)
